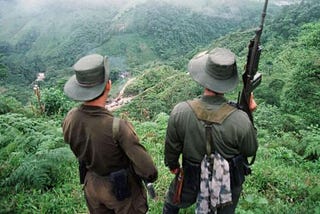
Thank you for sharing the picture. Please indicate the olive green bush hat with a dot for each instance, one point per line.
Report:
(90, 78)
(215, 70)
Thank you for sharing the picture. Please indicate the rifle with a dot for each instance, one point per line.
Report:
(150, 189)
(177, 194)
(251, 78)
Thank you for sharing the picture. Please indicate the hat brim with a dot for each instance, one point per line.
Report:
(197, 70)
(75, 91)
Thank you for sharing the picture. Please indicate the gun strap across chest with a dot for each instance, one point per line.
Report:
(209, 117)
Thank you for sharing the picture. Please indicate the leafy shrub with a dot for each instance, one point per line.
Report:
(40, 171)
(268, 117)
(9, 104)
(55, 102)
(271, 93)
(280, 179)
(32, 152)
(309, 143)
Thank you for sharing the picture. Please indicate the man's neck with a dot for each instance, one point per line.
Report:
(100, 102)
(208, 92)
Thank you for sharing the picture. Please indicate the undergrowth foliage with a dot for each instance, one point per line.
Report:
(33, 156)
(39, 174)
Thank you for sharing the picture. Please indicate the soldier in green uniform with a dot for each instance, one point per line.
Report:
(234, 135)
(114, 166)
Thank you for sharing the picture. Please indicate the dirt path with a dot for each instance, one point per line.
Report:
(120, 100)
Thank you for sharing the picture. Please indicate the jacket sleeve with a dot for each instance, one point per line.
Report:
(173, 146)
(248, 143)
(141, 161)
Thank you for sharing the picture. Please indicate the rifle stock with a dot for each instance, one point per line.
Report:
(179, 184)
(151, 190)
(251, 79)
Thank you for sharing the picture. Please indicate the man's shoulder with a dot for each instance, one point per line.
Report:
(74, 109)
(71, 112)
(240, 113)
(123, 125)
(181, 107)
(239, 117)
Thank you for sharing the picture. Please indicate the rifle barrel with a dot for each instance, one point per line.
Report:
(251, 79)
(264, 13)
(256, 42)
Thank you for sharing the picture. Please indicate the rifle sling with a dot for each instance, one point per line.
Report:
(209, 144)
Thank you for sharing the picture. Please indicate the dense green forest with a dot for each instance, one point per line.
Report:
(150, 43)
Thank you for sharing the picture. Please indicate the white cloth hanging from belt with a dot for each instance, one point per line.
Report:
(215, 188)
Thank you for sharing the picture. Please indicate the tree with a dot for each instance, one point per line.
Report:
(3, 69)
(303, 94)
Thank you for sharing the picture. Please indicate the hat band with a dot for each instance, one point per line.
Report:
(89, 85)
(219, 72)
(95, 78)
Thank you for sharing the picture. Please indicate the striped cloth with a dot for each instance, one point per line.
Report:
(215, 189)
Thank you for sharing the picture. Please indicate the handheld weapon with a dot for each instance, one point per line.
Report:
(177, 194)
(251, 78)
(151, 190)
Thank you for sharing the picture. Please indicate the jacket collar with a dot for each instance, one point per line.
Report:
(94, 109)
(214, 100)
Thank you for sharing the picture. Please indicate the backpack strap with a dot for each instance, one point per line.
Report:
(209, 117)
(209, 145)
(115, 128)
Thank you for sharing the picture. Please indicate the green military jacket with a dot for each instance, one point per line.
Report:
(88, 131)
(186, 134)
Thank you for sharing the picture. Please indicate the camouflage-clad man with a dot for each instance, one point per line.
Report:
(232, 136)
(115, 163)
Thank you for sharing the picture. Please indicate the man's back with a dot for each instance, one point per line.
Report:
(235, 135)
(89, 131)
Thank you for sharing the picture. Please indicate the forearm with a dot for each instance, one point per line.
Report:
(171, 155)
(249, 146)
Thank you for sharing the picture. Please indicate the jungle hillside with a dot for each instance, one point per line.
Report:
(149, 44)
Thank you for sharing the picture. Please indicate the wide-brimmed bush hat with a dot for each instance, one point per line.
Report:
(215, 70)
(90, 78)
